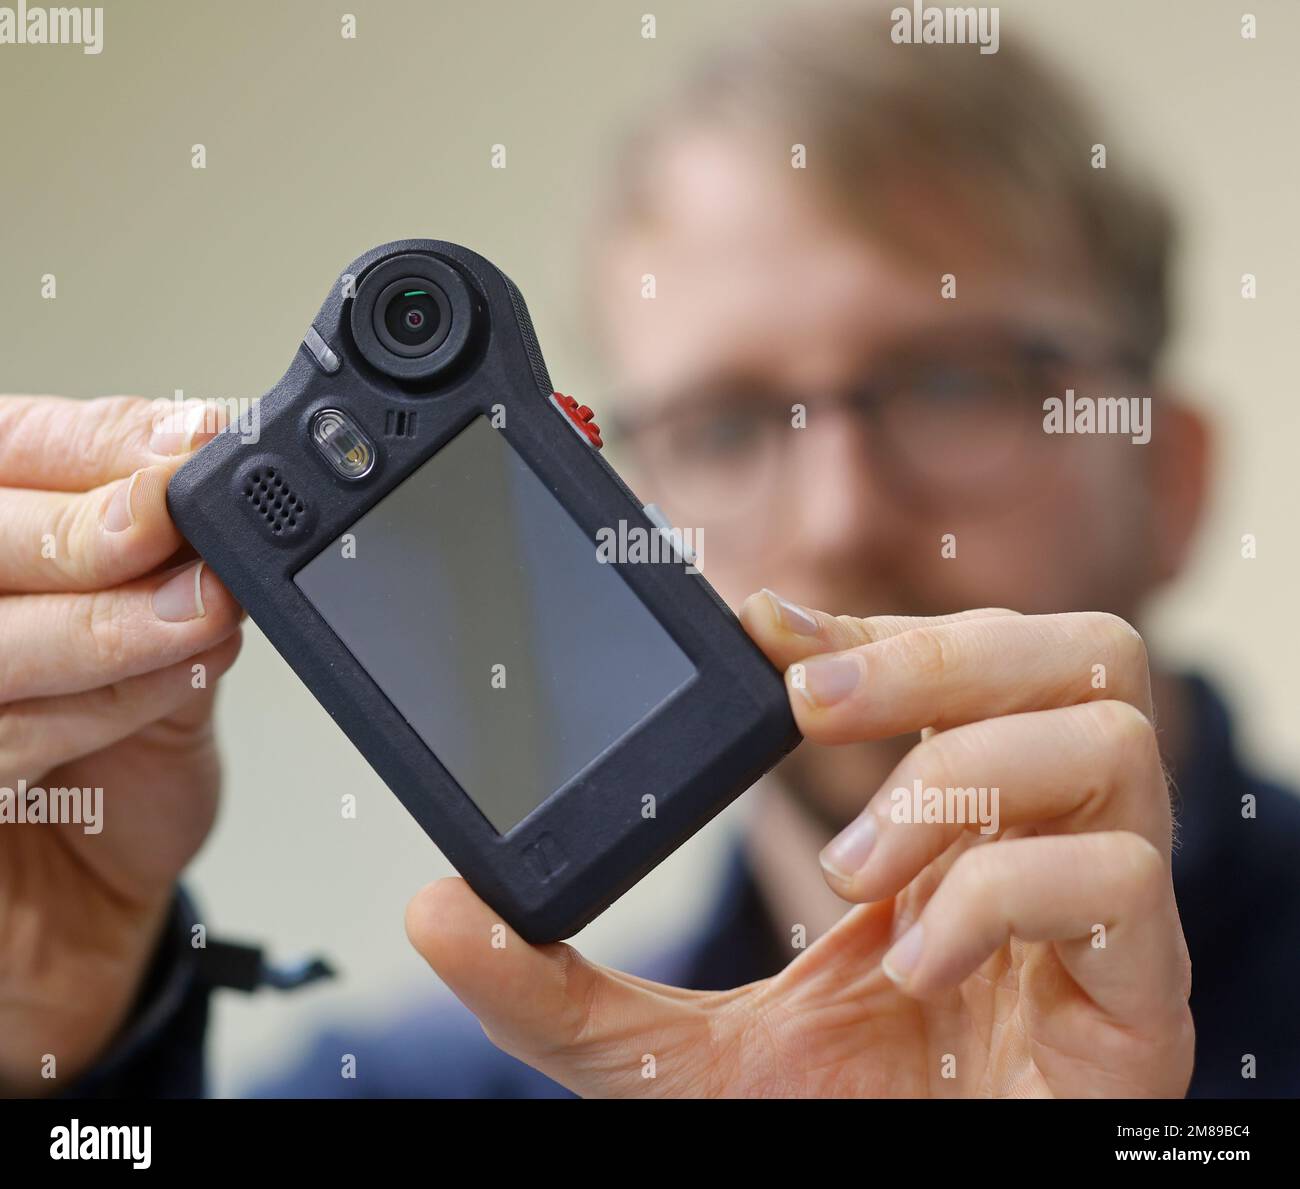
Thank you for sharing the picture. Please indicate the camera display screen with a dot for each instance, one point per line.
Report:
(479, 607)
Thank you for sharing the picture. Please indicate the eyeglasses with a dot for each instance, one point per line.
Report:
(952, 418)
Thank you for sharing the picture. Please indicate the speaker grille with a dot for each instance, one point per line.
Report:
(270, 497)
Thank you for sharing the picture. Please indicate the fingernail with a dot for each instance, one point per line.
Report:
(849, 850)
(791, 616)
(181, 596)
(118, 516)
(904, 955)
(830, 679)
(174, 434)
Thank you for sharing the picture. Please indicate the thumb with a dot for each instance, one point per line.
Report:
(587, 1027)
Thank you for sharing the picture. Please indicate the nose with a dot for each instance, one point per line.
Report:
(838, 509)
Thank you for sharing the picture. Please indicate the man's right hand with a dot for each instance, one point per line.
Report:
(104, 616)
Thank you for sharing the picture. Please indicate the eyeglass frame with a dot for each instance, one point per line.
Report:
(1039, 351)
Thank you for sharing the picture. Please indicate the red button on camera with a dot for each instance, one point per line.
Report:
(581, 416)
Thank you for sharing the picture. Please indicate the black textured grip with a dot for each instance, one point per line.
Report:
(531, 345)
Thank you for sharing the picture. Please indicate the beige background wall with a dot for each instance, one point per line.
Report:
(319, 147)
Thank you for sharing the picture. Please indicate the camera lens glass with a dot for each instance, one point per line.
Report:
(412, 317)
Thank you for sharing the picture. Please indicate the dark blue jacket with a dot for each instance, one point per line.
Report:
(1236, 876)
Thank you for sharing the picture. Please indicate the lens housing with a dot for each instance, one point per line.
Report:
(412, 316)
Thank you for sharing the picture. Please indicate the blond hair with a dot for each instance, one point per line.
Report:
(1004, 144)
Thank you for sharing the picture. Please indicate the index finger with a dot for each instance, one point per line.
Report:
(944, 674)
(788, 632)
(57, 443)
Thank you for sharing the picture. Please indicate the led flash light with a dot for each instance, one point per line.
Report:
(341, 441)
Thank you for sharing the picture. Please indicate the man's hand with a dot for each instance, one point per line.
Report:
(1045, 959)
(103, 616)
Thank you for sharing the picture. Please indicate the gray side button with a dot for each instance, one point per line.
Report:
(655, 514)
(320, 351)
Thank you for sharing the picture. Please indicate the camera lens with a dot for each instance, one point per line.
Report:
(412, 317)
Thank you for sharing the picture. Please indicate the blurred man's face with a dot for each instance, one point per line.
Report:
(764, 302)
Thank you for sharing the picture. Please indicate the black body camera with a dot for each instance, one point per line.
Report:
(420, 528)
